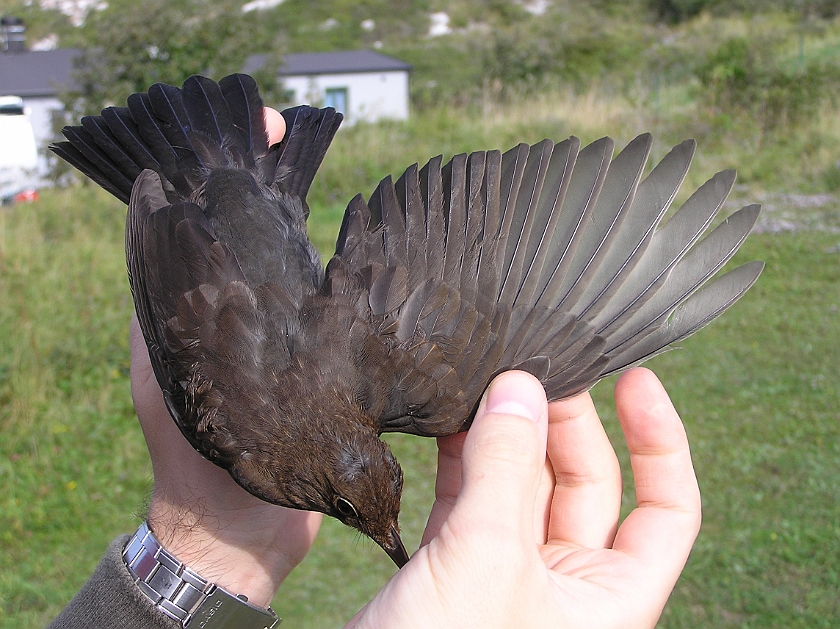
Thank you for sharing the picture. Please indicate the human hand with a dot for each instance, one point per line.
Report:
(197, 511)
(527, 536)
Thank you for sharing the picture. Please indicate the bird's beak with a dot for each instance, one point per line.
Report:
(395, 549)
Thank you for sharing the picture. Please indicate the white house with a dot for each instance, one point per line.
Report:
(35, 79)
(362, 84)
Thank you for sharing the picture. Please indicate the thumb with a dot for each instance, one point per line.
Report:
(504, 454)
(275, 125)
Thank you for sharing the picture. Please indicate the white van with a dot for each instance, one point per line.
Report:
(18, 151)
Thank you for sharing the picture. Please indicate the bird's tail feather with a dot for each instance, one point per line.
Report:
(82, 152)
(309, 134)
(184, 133)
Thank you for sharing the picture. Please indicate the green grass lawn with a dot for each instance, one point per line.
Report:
(757, 390)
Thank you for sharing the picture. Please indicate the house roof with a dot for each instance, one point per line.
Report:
(36, 73)
(343, 62)
(45, 73)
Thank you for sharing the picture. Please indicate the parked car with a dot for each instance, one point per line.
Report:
(18, 152)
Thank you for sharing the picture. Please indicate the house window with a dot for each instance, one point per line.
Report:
(336, 97)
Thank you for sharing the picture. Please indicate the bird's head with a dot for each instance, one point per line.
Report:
(363, 490)
(350, 475)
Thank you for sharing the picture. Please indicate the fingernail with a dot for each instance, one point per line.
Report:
(514, 395)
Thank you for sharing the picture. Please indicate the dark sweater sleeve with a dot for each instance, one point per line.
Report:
(111, 600)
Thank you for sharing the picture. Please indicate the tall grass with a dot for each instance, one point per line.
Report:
(802, 159)
(756, 388)
(72, 465)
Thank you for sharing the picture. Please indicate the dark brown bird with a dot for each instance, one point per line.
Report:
(547, 258)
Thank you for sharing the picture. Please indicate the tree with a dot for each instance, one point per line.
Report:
(134, 44)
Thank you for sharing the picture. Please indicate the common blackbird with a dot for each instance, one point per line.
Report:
(547, 258)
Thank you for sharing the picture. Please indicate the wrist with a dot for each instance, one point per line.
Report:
(249, 551)
(216, 560)
(183, 594)
(246, 556)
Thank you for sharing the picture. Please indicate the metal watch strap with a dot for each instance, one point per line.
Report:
(183, 595)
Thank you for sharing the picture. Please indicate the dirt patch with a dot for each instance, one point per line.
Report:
(786, 212)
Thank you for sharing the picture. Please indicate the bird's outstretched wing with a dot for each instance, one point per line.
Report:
(547, 258)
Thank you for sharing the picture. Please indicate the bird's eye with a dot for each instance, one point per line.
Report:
(345, 508)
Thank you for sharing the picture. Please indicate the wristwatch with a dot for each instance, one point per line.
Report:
(183, 595)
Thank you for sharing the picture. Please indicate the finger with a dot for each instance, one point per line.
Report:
(170, 452)
(175, 463)
(139, 353)
(503, 457)
(145, 390)
(542, 503)
(275, 125)
(447, 483)
(662, 529)
(448, 486)
(587, 495)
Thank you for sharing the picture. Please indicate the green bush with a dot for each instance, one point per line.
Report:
(564, 47)
(744, 78)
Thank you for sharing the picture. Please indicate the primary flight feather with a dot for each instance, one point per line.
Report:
(547, 258)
